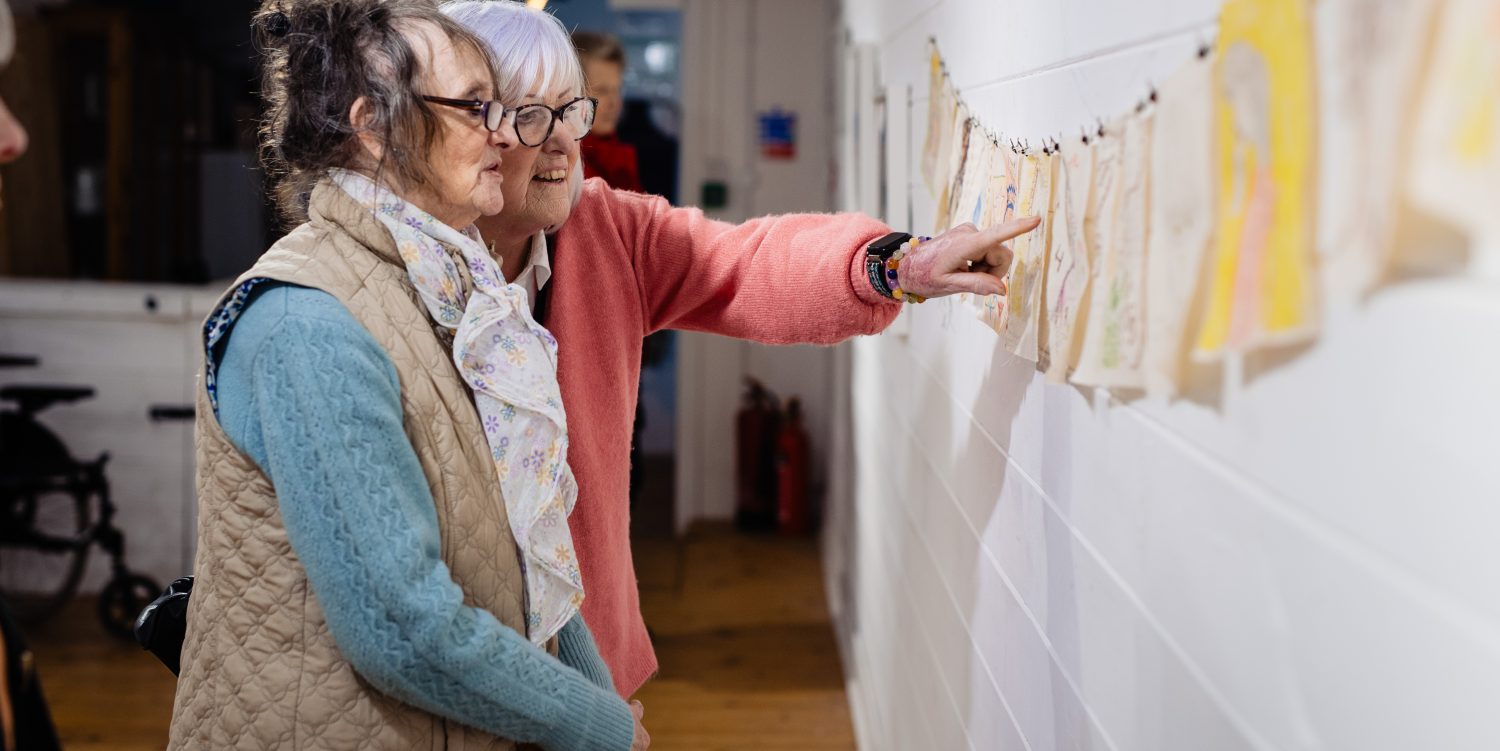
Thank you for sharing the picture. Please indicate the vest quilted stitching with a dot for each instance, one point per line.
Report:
(260, 669)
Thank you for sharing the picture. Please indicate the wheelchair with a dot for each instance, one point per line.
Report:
(53, 510)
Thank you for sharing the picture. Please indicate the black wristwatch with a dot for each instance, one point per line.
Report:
(876, 254)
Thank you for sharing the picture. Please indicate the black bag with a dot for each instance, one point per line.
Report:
(161, 627)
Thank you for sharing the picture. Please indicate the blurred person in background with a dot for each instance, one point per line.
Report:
(604, 267)
(25, 722)
(605, 156)
(383, 557)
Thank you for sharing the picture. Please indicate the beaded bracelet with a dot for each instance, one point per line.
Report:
(893, 265)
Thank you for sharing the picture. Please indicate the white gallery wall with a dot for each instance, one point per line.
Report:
(1308, 562)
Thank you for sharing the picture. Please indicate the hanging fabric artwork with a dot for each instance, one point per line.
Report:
(1114, 342)
(1028, 267)
(953, 172)
(1370, 56)
(1068, 269)
(1100, 234)
(1182, 226)
(1000, 206)
(1261, 289)
(1456, 159)
(941, 102)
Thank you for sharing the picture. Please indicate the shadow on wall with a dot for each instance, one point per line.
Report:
(1004, 559)
(989, 497)
(951, 491)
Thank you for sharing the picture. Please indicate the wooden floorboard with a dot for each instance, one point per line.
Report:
(748, 659)
(741, 627)
(106, 694)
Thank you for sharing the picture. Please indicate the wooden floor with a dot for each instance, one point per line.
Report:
(748, 659)
(741, 627)
(104, 693)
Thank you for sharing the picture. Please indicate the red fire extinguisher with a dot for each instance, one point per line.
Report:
(794, 512)
(755, 432)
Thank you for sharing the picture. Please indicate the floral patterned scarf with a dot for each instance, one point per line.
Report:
(509, 361)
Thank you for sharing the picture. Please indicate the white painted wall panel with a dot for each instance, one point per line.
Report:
(135, 356)
(1307, 564)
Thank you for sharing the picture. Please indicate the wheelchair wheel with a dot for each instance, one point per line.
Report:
(44, 550)
(122, 600)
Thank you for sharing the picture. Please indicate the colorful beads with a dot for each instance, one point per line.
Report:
(893, 266)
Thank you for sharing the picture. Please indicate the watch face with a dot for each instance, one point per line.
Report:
(885, 246)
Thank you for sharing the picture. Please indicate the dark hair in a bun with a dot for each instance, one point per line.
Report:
(319, 58)
(275, 25)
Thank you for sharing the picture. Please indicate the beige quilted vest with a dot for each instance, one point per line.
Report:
(259, 667)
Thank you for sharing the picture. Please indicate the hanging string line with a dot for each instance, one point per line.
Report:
(1204, 28)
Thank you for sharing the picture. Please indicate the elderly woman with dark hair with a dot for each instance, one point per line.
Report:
(604, 268)
(384, 558)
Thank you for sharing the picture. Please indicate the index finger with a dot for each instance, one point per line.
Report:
(1013, 228)
(1000, 233)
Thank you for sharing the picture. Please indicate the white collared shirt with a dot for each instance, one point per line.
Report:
(537, 271)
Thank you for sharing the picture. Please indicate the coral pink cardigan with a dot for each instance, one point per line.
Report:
(626, 265)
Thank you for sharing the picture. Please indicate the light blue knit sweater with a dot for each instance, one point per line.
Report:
(299, 376)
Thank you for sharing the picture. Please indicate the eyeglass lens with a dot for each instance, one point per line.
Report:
(494, 116)
(534, 122)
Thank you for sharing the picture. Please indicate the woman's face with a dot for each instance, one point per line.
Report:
(537, 193)
(466, 182)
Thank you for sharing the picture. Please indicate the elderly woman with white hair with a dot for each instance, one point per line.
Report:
(383, 560)
(604, 268)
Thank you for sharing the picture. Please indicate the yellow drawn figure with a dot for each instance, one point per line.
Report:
(1261, 289)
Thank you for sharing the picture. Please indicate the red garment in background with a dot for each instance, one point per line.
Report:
(613, 160)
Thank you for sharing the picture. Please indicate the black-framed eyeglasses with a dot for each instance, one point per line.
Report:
(492, 113)
(534, 122)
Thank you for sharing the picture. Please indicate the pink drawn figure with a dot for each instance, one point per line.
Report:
(1247, 89)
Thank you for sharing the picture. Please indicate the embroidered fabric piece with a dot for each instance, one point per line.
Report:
(214, 329)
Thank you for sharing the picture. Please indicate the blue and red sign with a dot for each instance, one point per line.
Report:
(778, 134)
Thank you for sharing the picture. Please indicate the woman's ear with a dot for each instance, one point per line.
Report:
(359, 120)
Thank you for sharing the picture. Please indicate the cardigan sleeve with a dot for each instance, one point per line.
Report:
(577, 650)
(788, 279)
(315, 401)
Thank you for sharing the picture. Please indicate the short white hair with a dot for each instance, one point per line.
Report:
(533, 52)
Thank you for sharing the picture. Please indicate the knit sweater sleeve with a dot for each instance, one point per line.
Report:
(315, 401)
(577, 650)
(787, 279)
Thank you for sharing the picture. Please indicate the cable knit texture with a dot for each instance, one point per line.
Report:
(261, 667)
(625, 265)
(310, 396)
(578, 650)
